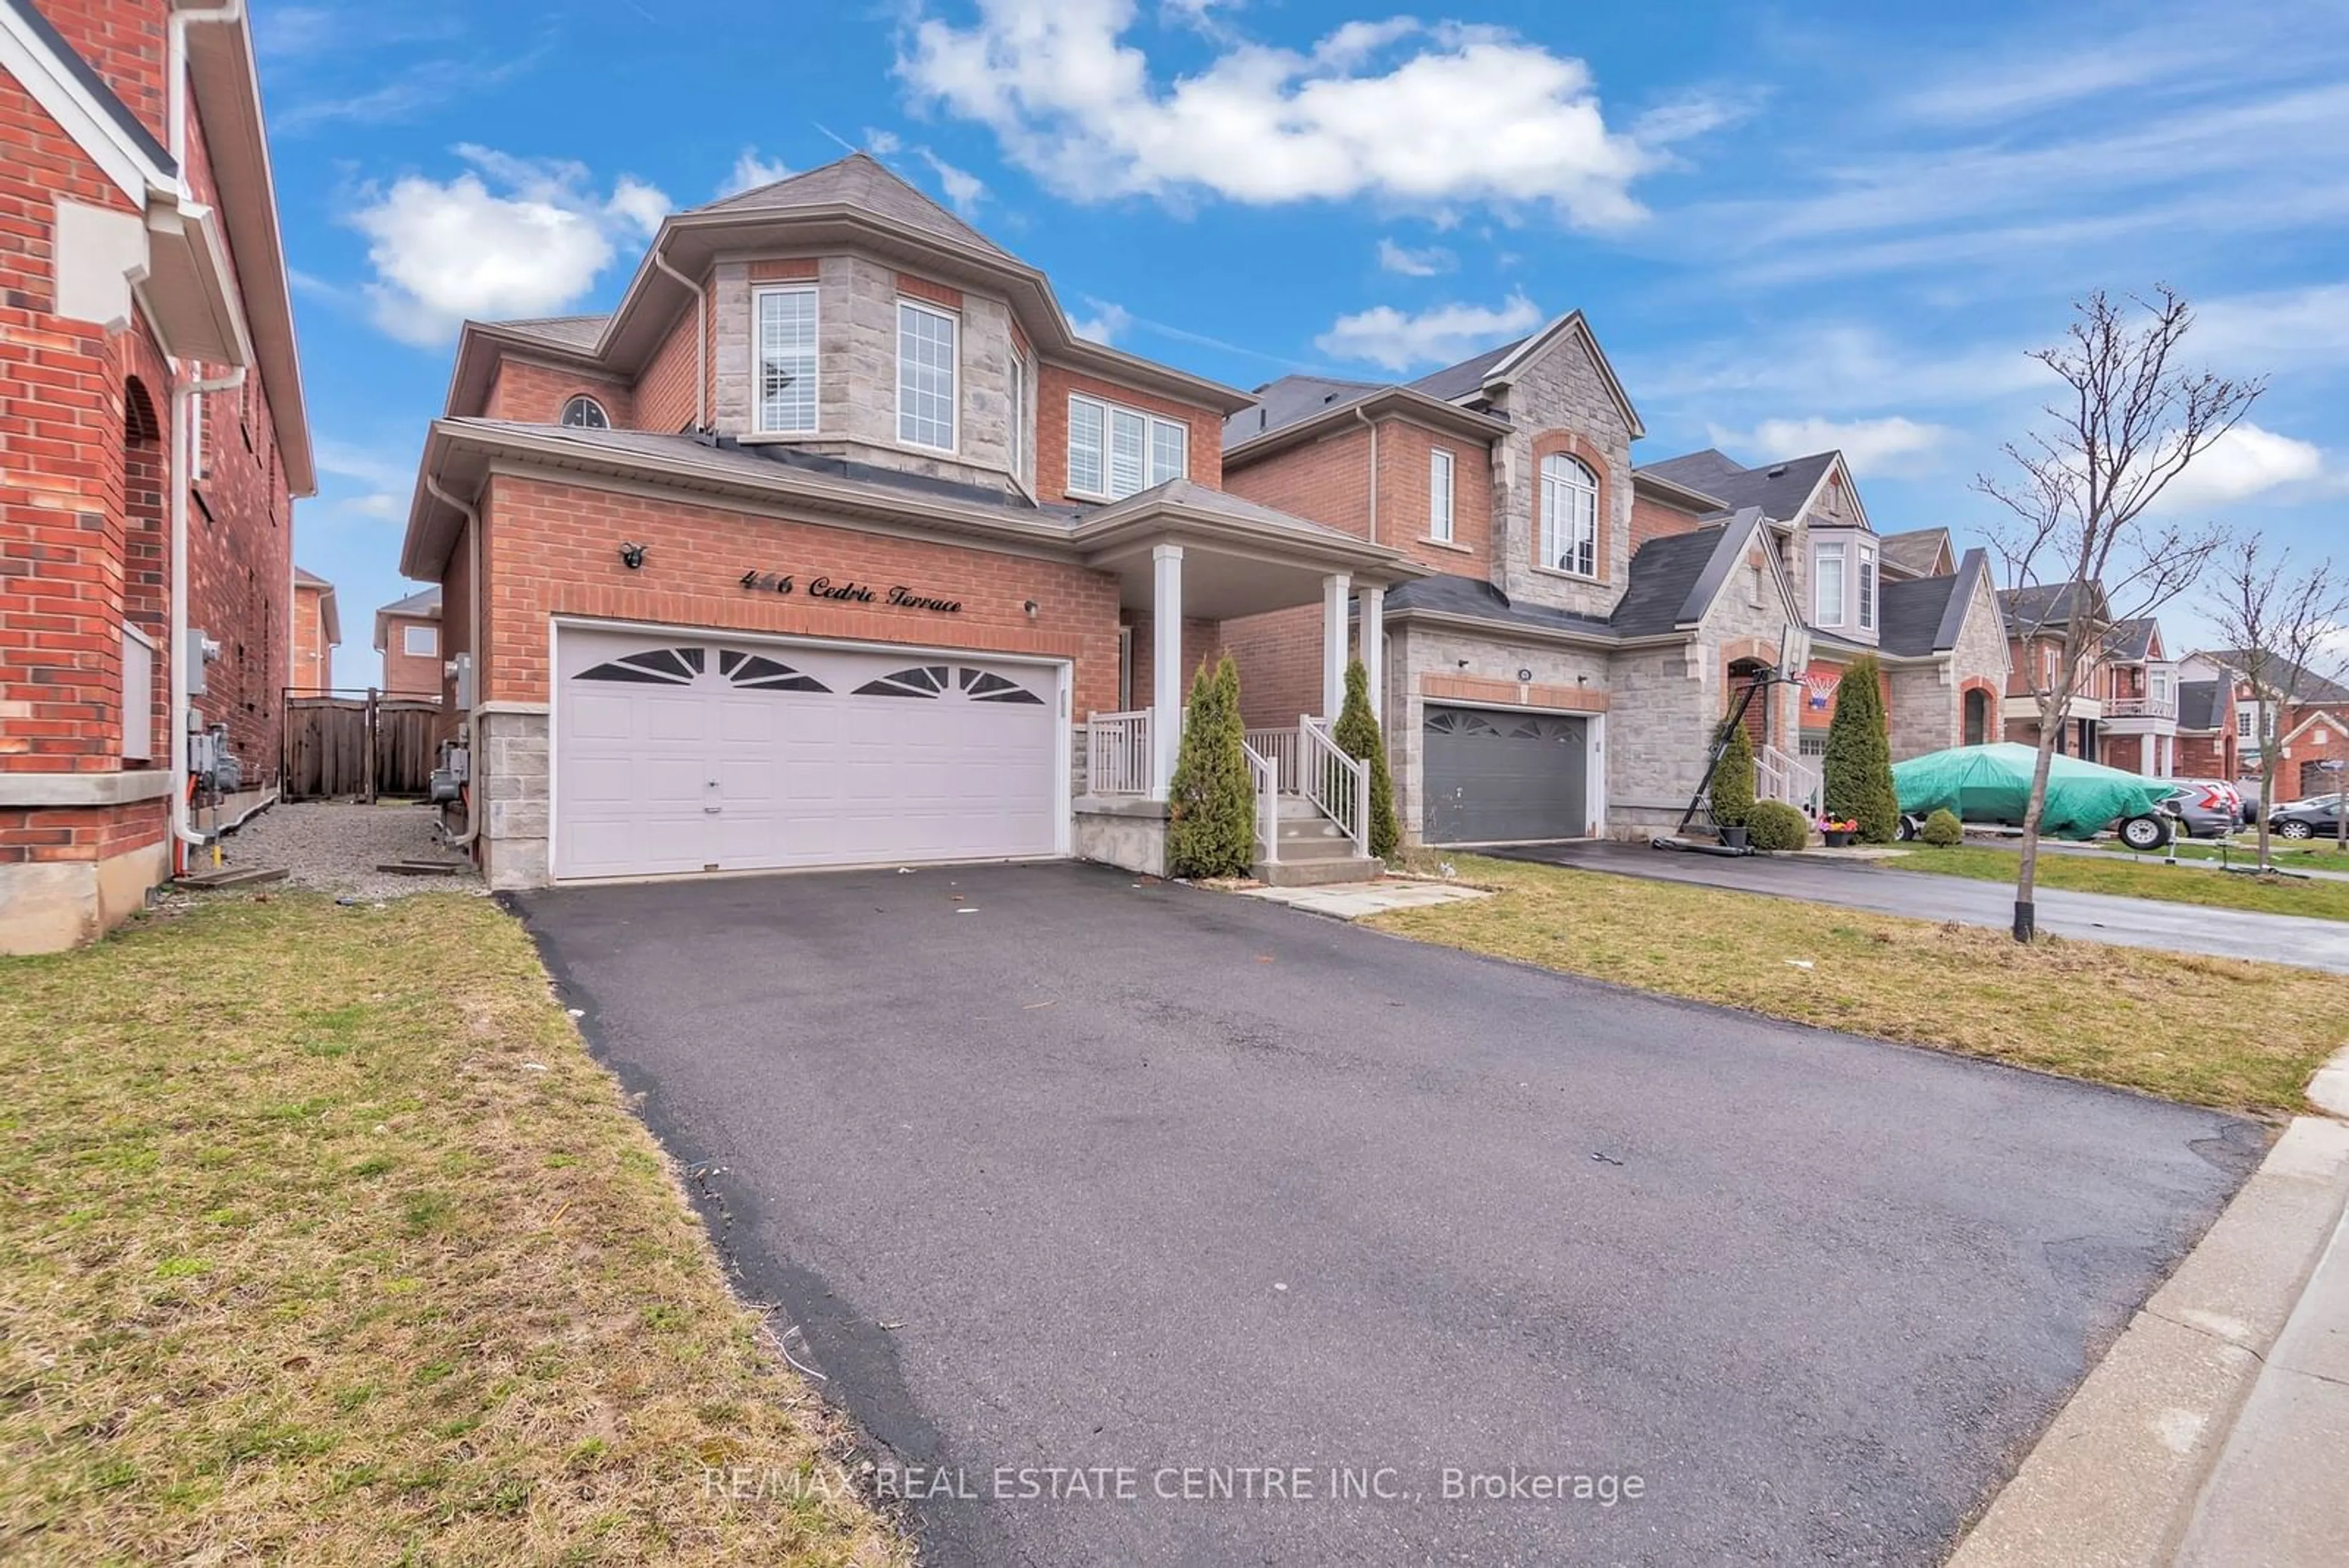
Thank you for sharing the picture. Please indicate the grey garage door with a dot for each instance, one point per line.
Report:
(1491, 776)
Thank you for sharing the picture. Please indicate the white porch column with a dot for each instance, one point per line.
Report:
(1165, 665)
(2169, 756)
(1334, 644)
(1373, 602)
(2146, 759)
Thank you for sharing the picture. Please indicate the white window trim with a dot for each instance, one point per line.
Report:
(1819, 576)
(1869, 585)
(758, 364)
(1546, 529)
(1151, 422)
(1023, 381)
(408, 640)
(954, 399)
(1442, 528)
(602, 414)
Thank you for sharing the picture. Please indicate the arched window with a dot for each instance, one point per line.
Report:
(586, 413)
(1977, 716)
(1569, 516)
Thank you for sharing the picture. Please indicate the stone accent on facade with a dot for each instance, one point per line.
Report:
(511, 775)
(1562, 392)
(1424, 666)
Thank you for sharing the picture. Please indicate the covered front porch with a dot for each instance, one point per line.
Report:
(1183, 574)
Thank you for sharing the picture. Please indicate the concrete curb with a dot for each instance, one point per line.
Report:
(2116, 1479)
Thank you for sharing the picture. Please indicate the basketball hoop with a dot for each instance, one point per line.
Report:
(1819, 688)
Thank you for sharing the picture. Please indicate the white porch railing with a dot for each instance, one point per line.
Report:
(2148, 707)
(1264, 779)
(1782, 777)
(1117, 752)
(1337, 786)
(1278, 747)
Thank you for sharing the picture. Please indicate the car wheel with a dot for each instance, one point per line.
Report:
(2145, 833)
(2295, 830)
(1907, 830)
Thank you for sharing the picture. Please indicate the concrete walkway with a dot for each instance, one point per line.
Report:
(1927, 896)
(1360, 901)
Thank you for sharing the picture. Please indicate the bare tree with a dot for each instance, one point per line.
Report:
(2130, 420)
(2282, 621)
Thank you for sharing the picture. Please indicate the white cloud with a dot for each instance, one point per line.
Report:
(963, 189)
(381, 483)
(1409, 113)
(2244, 463)
(751, 171)
(1890, 445)
(1439, 335)
(1103, 325)
(1423, 263)
(881, 143)
(2256, 332)
(510, 237)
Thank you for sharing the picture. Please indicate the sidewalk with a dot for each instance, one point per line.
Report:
(2215, 1434)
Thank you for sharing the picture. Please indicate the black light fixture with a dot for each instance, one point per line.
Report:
(632, 555)
(1525, 675)
(1029, 605)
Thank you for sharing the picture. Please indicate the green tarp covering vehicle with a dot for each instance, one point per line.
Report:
(1993, 784)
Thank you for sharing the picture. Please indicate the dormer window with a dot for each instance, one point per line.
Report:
(585, 413)
(926, 376)
(1866, 588)
(787, 361)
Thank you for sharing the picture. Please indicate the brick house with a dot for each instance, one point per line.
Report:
(2129, 709)
(832, 544)
(407, 636)
(151, 408)
(2208, 745)
(1584, 624)
(2311, 729)
(317, 632)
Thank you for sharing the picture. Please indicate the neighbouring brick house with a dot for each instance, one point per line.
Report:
(317, 632)
(832, 544)
(151, 408)
(407, 636)
(1585, 623)
(2208, 746)
(2129, 709)
(2310, 731)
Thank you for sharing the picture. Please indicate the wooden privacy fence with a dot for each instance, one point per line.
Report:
(364, 745)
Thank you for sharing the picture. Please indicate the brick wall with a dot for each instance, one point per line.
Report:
(313, 659)
(664, 393)
(1654, 519)
(1053, 384)
(534, 391)
(1326, 481)
(550, 553)
(1203, 642)
(123, 41)
(406, 674)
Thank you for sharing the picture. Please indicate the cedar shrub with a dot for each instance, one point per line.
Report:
(1859, 765)
(1211, 802)
(1732, 780)
(1356, 734)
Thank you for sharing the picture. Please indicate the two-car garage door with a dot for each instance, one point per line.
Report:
(679, 753)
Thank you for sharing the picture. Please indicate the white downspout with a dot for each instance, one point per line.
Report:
(701, 340)
(184, 474)
(473, 813)
(175, 80)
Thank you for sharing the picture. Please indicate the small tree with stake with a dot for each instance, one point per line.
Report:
(2281, 620)
(2128, 421)
(1211, 804)
(1358, 736)
(1857, 772)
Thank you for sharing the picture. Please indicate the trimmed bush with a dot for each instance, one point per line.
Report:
(1775, 824)
(1943, 829)
(1859, 765)
(1211, 805)
(1356, 734)
(1732, 780)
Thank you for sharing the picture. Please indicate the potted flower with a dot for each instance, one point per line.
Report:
(1839, 831)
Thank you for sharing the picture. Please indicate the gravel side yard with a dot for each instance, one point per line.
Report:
(335, 846)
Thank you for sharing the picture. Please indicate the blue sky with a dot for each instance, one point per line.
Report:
(1792, 226)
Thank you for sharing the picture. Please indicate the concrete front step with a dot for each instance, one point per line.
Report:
(1315, 848)
(1320, 871)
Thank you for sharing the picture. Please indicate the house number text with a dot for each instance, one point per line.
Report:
(848, 592)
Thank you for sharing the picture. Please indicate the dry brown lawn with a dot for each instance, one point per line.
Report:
(2207, 1030)
(324, 1241)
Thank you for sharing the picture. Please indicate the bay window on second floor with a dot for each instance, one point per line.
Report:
(1845, 586)
(1827, 575)
(1115, 452)
(786, 327)
(927, 369)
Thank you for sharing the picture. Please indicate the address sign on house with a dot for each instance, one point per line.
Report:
(899, 597)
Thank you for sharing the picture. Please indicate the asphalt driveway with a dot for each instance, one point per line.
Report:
(1189, 1191)
(1927, 896)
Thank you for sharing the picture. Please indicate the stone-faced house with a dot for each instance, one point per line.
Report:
(834, 546)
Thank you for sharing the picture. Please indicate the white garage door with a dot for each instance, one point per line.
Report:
(683, 753)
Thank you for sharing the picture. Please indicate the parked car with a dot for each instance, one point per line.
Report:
(2209, 808)
(1993, 784)
(2308, 819)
